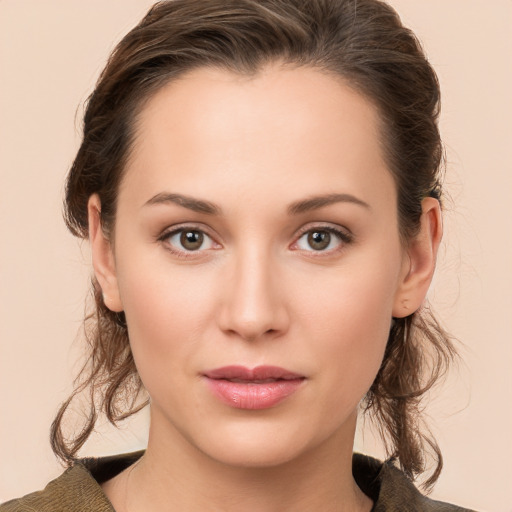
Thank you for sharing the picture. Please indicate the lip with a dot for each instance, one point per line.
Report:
(261, 387)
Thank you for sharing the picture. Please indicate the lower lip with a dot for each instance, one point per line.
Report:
(253, 395)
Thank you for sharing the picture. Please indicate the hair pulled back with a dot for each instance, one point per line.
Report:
(360, 41)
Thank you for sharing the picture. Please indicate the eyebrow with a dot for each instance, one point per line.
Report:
(298, 207)
(196, 205)
(316, 202)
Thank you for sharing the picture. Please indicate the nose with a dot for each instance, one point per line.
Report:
(254, 305)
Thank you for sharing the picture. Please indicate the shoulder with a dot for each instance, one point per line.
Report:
(392, 490)
(69, 492)
(76, 490)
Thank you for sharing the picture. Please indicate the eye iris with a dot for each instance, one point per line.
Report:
(319, 240)
(191, 240)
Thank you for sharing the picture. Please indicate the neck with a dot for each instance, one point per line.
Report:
(174, 475)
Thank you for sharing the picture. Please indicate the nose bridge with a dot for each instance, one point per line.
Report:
(254, 305)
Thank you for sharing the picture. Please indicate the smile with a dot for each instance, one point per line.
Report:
(258, 388)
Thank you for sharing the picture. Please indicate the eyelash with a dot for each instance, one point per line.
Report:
(344, 238)
(184, 254)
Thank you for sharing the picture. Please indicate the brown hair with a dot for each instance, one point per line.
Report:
(361, 41)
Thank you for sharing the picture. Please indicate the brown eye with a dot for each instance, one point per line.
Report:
(191, 240)
(322, 239)
(187, 240)
(319, 240)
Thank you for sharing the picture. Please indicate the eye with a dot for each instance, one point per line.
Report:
(188, 240)
(322, 240)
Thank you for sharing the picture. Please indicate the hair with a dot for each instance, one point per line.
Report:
(362, 42)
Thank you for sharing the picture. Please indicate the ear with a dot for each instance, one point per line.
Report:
(103, 257)
(419, 261)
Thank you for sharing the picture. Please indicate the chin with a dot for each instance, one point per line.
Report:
(254, 455)
(258, 446)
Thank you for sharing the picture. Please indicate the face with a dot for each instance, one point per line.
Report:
(258, 261)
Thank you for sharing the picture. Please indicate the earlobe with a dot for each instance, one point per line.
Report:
(103, 257)
(420, 261)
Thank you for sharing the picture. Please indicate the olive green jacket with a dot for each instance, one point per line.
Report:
(78, 489)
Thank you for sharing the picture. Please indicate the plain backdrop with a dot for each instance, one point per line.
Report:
(50, 55)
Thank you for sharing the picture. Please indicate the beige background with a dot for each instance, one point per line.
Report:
(50, 54)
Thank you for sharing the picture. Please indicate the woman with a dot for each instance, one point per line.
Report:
(259, 182)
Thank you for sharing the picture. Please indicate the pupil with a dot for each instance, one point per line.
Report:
(191, 240)
(319, 240)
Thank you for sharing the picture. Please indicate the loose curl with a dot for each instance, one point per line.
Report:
(361, 42)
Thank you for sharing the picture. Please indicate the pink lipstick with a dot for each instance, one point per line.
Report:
(259, 388)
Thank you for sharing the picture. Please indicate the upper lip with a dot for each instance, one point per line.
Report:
(258, 373)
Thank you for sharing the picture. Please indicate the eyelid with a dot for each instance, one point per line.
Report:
(344, 234)
(177, 228)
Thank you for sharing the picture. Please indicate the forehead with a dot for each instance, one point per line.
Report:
(286, 125)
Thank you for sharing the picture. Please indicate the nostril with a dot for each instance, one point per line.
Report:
(252, 334)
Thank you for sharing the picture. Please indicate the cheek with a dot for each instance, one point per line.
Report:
(168, 311)
(350, 322)
(356, 333)
(356, 299)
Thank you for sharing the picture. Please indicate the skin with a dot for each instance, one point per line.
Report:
(257, 292)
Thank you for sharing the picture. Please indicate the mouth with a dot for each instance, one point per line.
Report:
(258, 388)
(258, 374)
